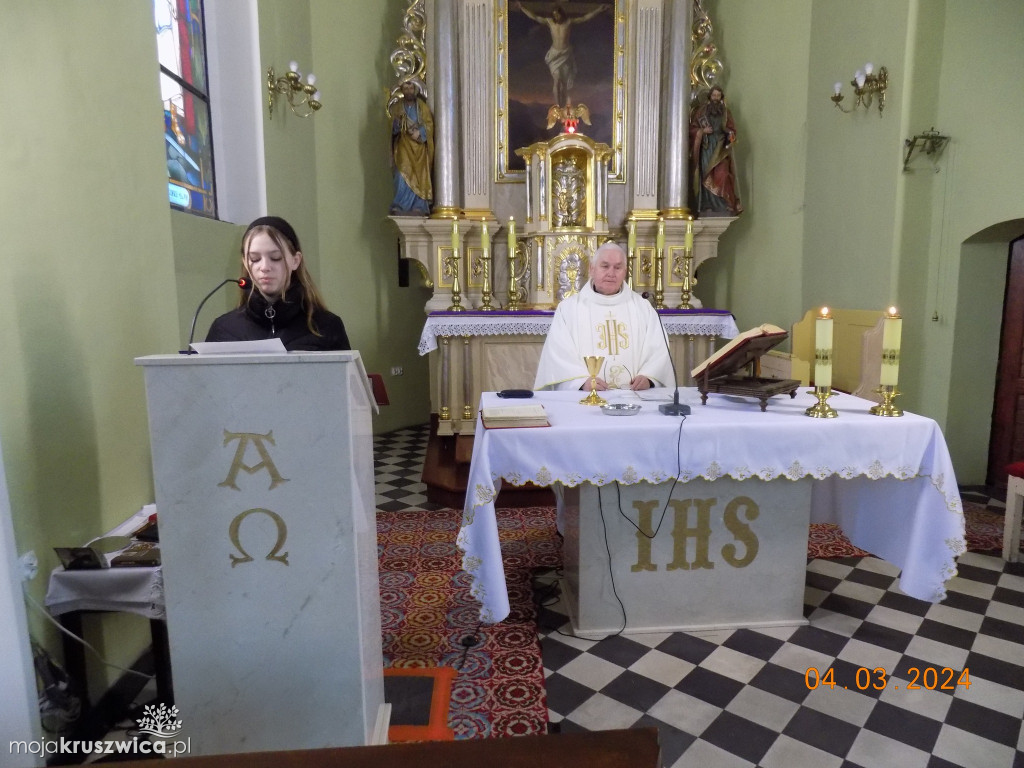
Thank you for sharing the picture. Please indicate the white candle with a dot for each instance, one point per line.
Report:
(631, 239)
(891, 331)
(511, 236)
(455, 237)
(660, 241)
(485, 238)
(823, 349)
(689, 235)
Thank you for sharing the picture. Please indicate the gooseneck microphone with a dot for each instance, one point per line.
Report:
(241, 282)
(675, 408)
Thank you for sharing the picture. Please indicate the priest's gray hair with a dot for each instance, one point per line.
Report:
(605, 247)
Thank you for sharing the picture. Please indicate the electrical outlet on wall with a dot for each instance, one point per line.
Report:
(29, 565)
(396, 370)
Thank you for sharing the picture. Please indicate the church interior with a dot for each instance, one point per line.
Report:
(846, 205)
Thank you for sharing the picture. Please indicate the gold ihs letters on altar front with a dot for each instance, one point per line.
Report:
(699, 532)
(259, 442)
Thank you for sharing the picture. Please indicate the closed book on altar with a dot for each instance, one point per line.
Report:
(505, 416)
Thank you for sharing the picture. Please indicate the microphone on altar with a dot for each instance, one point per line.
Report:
(241, 282)
(675, 408)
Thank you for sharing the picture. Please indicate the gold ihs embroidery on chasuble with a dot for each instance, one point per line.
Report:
(613, 341)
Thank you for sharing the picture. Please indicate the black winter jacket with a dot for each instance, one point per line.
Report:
(285, 319)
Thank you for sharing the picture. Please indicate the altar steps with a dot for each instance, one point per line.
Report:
(446, 472)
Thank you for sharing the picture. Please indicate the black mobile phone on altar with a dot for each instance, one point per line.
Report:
(515, 393)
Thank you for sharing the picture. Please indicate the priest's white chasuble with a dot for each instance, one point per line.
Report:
(623, 329)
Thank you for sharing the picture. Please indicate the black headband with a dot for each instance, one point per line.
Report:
(282, 226)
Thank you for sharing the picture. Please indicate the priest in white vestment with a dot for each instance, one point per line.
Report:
(610, 320)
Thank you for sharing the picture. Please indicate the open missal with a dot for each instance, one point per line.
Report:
(505, 416)
(741, 351)
(735, 368)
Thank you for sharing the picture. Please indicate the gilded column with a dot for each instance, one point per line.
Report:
(675, 78)
(447, 170)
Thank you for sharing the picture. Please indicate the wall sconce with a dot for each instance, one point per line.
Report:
(303, 98)
(930, 142)
(865, 84)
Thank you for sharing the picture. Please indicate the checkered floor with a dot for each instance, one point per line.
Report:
(743, 697)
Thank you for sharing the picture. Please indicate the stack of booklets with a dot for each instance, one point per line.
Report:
(505, 416)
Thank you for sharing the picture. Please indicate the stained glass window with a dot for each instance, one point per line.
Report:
(184, 89)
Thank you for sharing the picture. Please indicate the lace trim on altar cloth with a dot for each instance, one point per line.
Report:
(428, 340)
(485, 495)
(703, 325)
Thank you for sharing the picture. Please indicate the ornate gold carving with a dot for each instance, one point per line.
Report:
(275, 553)
(427, 282)
(244, 439)
(409, 59)
(705, 66)
(569, 190)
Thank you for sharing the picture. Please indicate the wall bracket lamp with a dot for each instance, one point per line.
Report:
(930, 142)
(866, 84)
(303, 98)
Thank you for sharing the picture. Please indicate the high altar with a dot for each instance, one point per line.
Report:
(524, 189)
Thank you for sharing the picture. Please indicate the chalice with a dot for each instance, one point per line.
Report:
(594, 364)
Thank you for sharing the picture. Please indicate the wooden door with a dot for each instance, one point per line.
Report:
(1007, 437)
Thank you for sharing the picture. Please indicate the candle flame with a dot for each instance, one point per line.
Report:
(893, 312)
(824, 311)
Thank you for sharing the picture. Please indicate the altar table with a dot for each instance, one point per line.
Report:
(489, 351)
(887, 482)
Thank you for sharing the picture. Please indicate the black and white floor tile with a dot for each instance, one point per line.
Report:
(744, 698)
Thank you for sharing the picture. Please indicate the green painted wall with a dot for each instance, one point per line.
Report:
(358, 244)
(87, 245)
(760, 260)
(981, 106)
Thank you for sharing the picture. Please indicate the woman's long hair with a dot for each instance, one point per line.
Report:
(312, 301)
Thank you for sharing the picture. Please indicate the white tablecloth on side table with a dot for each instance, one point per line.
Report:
(138, 589)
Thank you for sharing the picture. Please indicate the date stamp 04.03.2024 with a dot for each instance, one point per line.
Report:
(865, 678)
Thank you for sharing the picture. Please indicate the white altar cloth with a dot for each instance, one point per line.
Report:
(537, 323)
(887, 482)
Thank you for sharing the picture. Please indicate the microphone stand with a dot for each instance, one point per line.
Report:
(675, 408)
(241, 283)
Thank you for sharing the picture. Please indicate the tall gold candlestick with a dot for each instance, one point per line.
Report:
(454, 263)
(892, 329)
(631, 252)
(822, 367)
(514, 274)
(485, 244)
(688, 281)
(659, 257)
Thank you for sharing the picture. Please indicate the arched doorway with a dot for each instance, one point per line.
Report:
(1006, 443)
